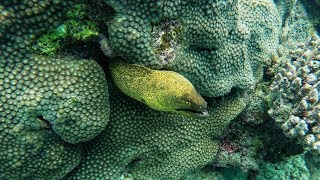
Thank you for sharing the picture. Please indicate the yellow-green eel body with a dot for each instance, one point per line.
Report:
(159, 89)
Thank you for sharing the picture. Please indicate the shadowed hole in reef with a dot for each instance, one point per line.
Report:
(102, 14)
(133, 163)
(211, 101)
(45, 123)
(88, 50)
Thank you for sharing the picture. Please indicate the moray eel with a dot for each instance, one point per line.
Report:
(160, 90)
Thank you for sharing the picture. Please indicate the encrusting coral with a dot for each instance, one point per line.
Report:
(291, 168)
(142, 143)
(160, 90)
(47, 104)
(219, 45)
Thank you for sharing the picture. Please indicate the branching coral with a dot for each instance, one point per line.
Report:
(295, 95)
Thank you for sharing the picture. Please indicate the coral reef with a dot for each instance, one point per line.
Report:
(54, 110)
(295, 96)
(239, 153)
(47, 104)
(160, 90)
(220, 45)
(291, 168)
(142, 143)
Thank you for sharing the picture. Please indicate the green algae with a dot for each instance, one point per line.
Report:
(76, 27)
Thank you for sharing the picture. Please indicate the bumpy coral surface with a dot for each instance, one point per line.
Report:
(291, 168)
(146, 144)
(313, 164)
(46, 103)
(295, 95)
(217, 45)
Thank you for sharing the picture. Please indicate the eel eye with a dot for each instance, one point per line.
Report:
(188, 103)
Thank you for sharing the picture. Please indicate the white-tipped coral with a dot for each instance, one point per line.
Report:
(295, 95)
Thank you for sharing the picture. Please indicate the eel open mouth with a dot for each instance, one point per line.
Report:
(194, 113)
(197, 111)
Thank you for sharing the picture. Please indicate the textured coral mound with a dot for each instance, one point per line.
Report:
(47, 104)
(223, 44)
(146, 144)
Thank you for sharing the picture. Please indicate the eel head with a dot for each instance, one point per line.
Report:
(192, 104)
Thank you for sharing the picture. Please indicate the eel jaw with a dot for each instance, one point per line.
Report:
(195, 111)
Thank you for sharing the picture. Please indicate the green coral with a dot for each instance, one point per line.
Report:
(160, 90)
(76, 27)
(224, 44)
(142, 143)
(82, 30)
(50, 102)
(291, 168)
(313, 164)
(79, 25)
(47, 104)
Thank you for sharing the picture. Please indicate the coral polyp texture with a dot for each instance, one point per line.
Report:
(44, 104)
(295, 95)
(293, 167)
(47, 104)
(142, 143)
(217, 45)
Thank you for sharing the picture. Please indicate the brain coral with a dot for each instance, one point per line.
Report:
(143, 143)
(46, 103)
(295, 95)
(217, 45)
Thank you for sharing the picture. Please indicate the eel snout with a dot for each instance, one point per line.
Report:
(197, 107)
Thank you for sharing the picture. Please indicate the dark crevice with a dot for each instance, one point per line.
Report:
(101, 13)
(133, 163)
(45, 123)
(204, 49)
